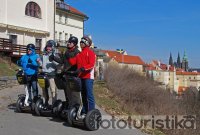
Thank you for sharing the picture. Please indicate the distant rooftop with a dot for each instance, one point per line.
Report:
(65, 7)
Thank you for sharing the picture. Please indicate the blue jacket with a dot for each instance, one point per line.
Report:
(30, 68)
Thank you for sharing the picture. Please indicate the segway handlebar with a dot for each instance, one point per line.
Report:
(70, 73)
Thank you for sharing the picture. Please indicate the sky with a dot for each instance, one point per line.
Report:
(150, 29)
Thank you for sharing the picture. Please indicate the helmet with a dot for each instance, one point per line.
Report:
(73, 39)
(50, 43)
(86, 40)
(30, 46)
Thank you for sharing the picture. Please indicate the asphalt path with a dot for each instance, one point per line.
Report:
(13, 123)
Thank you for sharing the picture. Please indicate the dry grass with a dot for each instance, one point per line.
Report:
(143, 96)
(7, 69)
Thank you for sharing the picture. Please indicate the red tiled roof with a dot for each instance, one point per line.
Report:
(181, 89)
(73, 10)
(66, 7)
(127, 59)
(187, 73)
(150, 67)
(162, 66)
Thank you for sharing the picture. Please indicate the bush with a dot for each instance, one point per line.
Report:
(145, 97)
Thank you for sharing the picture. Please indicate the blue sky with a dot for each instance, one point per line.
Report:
(150, 29)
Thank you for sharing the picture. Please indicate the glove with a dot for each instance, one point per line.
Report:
(82, 69)
(78, 71)
(29, 60)
(51, 57)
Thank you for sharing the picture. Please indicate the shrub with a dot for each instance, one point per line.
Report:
(144, 96)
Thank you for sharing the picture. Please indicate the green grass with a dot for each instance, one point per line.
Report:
(7, 70)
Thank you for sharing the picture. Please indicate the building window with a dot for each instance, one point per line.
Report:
(71, 35)
(190, 78)
(177, 79)
(13, 39)
(33, 10)
(169, 79)
(194, 78)
(38, 42)
(60, 36)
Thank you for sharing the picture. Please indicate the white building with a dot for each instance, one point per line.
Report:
(25, 21)
(68, 22)
(35, 21)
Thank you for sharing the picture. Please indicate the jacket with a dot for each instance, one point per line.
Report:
(48, 66)
(64, 61)
(30, 68)
(85, 59)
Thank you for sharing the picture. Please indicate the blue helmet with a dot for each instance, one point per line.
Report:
(30, 46)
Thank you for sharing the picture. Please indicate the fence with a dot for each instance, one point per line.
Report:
(14, 50)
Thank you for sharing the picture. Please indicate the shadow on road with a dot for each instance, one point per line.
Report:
(49, 116)
(75, 126)
(12, 106)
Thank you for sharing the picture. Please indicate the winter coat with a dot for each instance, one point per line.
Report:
(30, 68)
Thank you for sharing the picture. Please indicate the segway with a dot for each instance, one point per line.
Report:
(60, 82)
(40, 107)
(20, 104)
(92, 119)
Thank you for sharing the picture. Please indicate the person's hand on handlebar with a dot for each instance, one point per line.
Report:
(80, 70)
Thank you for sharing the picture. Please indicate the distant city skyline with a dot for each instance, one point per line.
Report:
(150, 29)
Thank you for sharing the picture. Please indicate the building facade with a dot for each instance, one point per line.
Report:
(25, 22)
(36, 21)
(68, 22)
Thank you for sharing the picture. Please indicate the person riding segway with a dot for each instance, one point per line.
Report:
(46, 80)
(85, 113)
(72, 51)
(28, 77)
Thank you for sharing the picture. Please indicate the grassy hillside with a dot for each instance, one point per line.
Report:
(124, 92)
(7, 69)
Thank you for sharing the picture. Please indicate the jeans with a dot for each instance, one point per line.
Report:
(32, 83)
(53, 89)
(87, 95)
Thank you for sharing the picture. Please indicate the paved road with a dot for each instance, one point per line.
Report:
(12, 123)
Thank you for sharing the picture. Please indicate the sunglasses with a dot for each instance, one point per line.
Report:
(84, 41)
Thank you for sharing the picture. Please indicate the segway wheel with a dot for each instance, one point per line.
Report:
(93, 119)
(20, 104)
(71, 115)
(38, 107)
(57, 108)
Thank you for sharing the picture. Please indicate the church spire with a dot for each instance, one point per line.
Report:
(185, 58)
(178, 61)
(185, 65)
(171, 60)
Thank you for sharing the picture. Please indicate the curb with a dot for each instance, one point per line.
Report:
(7, 81)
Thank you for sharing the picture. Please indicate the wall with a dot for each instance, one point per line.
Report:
(12, 12)
(74, 25)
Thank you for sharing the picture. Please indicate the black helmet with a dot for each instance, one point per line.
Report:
(86, 40)
(30, 46)
(51, 43)
(73, 39)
